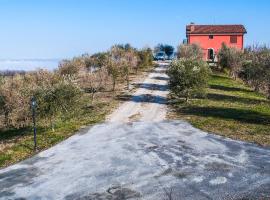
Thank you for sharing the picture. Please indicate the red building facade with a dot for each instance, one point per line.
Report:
(211, 37)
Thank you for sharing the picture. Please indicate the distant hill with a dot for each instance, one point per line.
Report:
(28, 64)
(11, 72)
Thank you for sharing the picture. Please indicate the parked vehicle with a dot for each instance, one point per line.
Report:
(160, 56)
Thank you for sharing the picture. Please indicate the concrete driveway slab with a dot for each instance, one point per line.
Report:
(142, 160)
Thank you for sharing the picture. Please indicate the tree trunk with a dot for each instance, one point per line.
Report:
(187, 96)
(52, 124)
(257, 88)
(127, 78)
(6, 119)
(114, 83)
(92, 97)
(268, 92)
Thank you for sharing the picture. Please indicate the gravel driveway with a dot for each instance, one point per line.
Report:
(139, 155)
(148, 103)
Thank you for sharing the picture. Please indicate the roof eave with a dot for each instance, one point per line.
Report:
(224, 33)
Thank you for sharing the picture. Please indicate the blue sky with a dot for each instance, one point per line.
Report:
(65, 28)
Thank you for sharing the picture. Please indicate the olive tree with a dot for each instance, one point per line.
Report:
(114, 64)
(94, 81)
(69, 67)
(190, 51)
(145, 58)
(129, 62)
(57, 97)
(231, 59)
(94, 62)
(15, 95)
(256, 68)
(188, 77)
(5, 104)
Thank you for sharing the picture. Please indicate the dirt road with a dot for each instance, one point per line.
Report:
(148, 103)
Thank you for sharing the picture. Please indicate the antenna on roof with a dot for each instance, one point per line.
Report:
(192, 23)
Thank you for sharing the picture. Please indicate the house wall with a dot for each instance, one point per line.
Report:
(206, 43)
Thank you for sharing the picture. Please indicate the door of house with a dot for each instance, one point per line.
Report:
(210, 54)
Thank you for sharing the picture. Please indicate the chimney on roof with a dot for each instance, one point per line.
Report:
(192, 26)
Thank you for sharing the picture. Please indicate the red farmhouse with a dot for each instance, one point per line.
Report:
(211, 37)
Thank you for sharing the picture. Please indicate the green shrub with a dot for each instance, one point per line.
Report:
(253, 74)
(145, 58)
(58, 99)
(188, 77)
(230, 59)
(256, 70)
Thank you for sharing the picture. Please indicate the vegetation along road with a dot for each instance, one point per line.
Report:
(146, 158)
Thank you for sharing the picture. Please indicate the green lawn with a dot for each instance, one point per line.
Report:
(231, 109)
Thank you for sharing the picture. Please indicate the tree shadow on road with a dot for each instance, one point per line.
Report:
(161, 78)
(152, 86)
(144, 98)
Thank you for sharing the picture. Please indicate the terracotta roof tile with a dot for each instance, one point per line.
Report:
(215, 29)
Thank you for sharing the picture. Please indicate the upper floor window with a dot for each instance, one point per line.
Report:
(211, 37)
(233, 39)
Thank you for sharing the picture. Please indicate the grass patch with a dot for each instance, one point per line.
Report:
(231, 109)
(17, 144)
